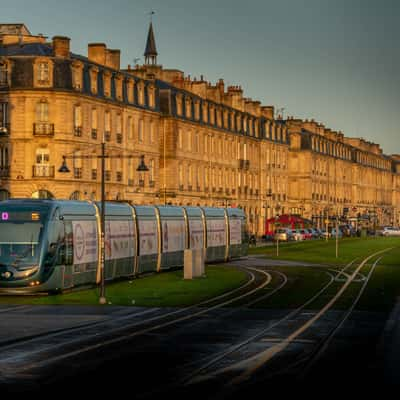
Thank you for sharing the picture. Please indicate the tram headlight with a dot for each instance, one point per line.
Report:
(27, 271)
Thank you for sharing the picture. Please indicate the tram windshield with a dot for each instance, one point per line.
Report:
(19, 239)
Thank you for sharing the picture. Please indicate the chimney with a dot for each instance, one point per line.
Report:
(61, 46)
(97, 53)
(113, 59)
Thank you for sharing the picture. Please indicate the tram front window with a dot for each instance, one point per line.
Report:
(19, 243)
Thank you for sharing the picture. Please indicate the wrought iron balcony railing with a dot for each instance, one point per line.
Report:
(43, 171)
(43, 129)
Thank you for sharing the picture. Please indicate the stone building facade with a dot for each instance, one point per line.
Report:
(204, 144)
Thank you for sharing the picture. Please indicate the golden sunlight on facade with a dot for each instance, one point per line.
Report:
(204, 144)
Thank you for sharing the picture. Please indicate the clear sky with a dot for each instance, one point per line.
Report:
(337, 61)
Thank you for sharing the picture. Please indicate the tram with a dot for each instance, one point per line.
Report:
(51, 246)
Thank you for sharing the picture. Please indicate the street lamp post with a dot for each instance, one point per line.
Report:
(64, 169)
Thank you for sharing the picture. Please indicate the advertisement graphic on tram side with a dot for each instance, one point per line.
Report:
(85, 241)
(216, 235)
(119, 239)
(148, 237)
(196, 234)
(174, 237)
(235, 231)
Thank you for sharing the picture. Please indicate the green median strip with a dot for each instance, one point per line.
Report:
(167, 289)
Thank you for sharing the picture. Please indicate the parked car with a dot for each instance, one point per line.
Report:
(283, 234)
(333, 233)
(307, 235)
(390, 231)
(297, 235)
(314, 233)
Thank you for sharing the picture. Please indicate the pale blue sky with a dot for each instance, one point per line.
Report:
(336, 61)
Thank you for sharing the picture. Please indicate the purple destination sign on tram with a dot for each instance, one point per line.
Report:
(4, 216)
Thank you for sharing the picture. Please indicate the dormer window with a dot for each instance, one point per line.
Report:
(107, 83)
(118, 87)
(93, 79)
(196, 110)
(129, 90)
(43, 72)
(140, 88)
(77, 75)
(151, 96)
(205, 112)
(188, 107)
(179, 110)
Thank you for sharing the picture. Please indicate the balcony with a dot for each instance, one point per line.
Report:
(119, 176)
(119, 138)
(43, 129)
(190, 187)
(131, 182)
(94, 174)
(107, 136)
(94, 133)
(4, 130)
(108, 175)
(4, 172)
(43, 171)
(152, 184)
(141, 182)
(180, 187)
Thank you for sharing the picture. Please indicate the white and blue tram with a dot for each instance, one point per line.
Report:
(51, 246)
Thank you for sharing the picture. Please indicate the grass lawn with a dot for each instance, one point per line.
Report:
(322, 252)
(380, 295)
(164, 289)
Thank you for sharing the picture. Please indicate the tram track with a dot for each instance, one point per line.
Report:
(61, 342)
(242, 371)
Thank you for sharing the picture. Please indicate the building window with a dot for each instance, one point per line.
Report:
(93, 79)
(77, 75)
(140, 131)
(77, 161)
(107, 126)
(94, 123)
(196, 110)
(151, 128)
(119, 128)
(188, 107)
(129, 127)
(75, 195)
(205, 112)
(107, 83)
(140, 88)
(42, 167)
(152, 173)
(118, 87)
(78, 120)
(43, 73)
(179, 110)
(42, 111)
(151, 96)
(4, 121)
(4, 74)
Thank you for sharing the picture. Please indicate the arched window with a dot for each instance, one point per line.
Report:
(75, 195)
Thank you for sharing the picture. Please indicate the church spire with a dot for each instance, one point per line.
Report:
(150, 53)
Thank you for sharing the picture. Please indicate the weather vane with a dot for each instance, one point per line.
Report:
(151, 13)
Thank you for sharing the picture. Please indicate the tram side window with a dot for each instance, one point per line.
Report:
(69, 250)
(56, 244)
